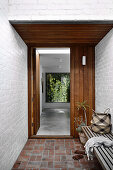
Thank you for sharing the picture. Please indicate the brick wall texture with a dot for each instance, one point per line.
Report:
(61, 10)
(104, 74)
(13, 64)
(13, 91)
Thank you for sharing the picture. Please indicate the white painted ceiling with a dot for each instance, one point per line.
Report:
(55, 60)
(53, 50)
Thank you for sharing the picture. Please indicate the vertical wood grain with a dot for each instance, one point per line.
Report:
(81, 80)
(76, 82)
(32, 95)
(72, 97)
(84, 83)
(76, 75)
(36, 91)
(86, 80)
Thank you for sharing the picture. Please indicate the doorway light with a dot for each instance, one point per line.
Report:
(83, 60)
(53, 50)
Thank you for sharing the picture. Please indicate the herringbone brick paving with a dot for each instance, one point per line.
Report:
(53, 154)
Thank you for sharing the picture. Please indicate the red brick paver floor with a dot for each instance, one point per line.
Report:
(53, 154)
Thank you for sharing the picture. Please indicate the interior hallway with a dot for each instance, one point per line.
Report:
(55, 122)
(53, 154)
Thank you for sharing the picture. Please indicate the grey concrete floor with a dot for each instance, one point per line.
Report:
(55, 122)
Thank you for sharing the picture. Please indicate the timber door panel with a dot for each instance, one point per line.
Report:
(36, 91)
(82, 81)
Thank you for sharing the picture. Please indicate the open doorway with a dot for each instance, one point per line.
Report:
(54, 91)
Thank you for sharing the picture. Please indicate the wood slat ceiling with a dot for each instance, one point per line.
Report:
(62, 33)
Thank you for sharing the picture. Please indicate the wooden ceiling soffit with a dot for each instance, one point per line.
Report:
(64, 34)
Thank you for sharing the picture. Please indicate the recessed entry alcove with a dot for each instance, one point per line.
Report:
(54, 91)
(81, 39)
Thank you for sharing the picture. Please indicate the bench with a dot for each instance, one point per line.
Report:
(103, 154)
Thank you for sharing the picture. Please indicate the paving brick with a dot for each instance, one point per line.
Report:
(17, 164)
(33, 158)
(44, 164)
(50, 164)
(57, 158)
(38, 158)
(62, 161)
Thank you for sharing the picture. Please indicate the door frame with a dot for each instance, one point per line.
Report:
(30, 95)
(82, 83)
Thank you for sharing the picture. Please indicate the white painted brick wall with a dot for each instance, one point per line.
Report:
(13, 64)
(104, 74)
(13, 91)
(61, 9)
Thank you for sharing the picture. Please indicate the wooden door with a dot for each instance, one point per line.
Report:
(36, 91)
(82, 84)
